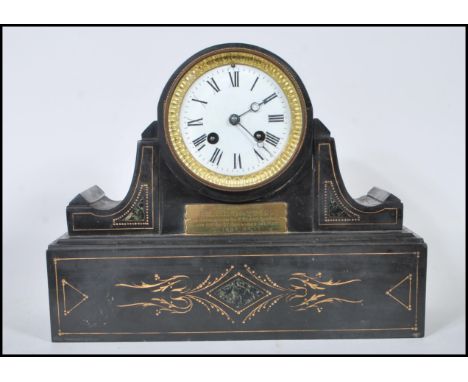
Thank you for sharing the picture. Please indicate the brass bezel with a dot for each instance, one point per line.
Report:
(226, 56)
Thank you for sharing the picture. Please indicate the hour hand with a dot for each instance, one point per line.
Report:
(268, 99)
(253, 107)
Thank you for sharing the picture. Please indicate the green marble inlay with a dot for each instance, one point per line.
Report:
(137, 213)
(238, 293)
(334, 208)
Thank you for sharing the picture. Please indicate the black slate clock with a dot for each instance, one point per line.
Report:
(237, 225)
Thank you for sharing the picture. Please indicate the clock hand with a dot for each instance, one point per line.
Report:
(262, 146)
(248, 132)
(259, 143)
(268, 99)
(234, 120)
(255, 106)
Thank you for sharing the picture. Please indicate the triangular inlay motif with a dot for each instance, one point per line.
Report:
(72, 297)
(398, 293)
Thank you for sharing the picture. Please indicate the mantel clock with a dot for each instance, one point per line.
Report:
(237, 225)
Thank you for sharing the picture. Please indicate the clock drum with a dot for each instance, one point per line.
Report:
(235, 119)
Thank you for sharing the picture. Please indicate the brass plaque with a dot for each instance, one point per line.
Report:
(220, 219)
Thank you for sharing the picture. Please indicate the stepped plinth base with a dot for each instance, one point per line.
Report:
(287, 286)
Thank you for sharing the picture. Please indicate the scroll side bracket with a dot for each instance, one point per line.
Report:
(335, 208)
(92, 213)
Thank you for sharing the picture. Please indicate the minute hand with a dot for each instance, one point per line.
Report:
(248, 132)
(259, 144)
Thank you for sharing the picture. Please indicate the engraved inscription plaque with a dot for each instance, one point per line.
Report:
(212, 219)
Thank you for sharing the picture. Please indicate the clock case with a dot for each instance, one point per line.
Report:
(150, 223)
(312, 186)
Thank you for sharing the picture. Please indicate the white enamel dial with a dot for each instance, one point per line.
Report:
(235, 120)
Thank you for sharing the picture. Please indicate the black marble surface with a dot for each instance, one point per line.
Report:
(320, 285)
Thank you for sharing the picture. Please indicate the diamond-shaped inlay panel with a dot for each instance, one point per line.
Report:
(238, 293)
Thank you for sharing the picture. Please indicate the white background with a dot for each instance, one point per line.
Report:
(76, 100)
